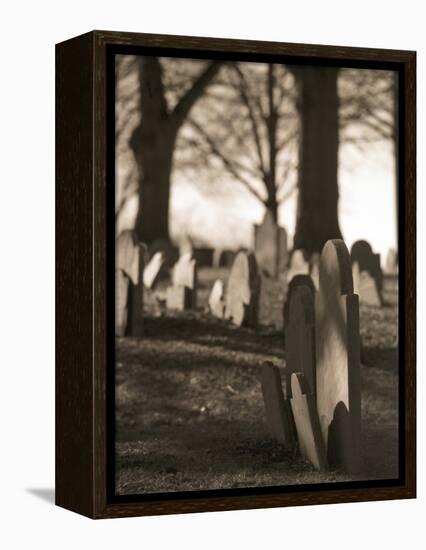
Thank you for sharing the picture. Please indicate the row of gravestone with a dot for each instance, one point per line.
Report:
(241, 304)
(320, 406)
(273, 257)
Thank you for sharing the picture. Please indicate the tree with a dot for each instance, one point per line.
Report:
(317, 212)
(153, 140)
(335, 106)
(246, 125)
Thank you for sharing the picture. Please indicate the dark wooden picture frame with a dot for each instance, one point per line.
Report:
(83, 263)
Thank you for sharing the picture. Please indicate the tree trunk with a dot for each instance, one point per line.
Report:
(317, 208)
(152, 143)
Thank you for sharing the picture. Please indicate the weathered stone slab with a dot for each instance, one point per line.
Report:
(153, 269)
(300, 337)
(216, 299)
(278, 414)
(305, 416)
(338, 358)
(369, 262)
(121, 294)
(178, 297)
(185, 274)
(296, 281)
(242, 294)
(365, 286)
(128, 285)
(127, 256)
(270, 246)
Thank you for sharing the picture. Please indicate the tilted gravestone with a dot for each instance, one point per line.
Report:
(365, 286)
(183, 292)
(129, 268)
(368, 263)
(305, 416)
(270, 246)
(242, 293)
(277, 407)
(299, 265)
(300, 336)
(153, 269)
(178, 297)
(338, 358)
(216, 299)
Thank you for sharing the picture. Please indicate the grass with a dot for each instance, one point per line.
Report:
(190, 412)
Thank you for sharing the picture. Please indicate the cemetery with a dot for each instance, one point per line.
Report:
(256, 275)
(211, 396)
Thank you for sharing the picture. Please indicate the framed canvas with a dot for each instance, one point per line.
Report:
(235, 274)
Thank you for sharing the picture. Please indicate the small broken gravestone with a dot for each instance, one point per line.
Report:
(129, 269)
(299, 265)
(216, 299)
(300, 337)
(178, 297)
(153, 269)
(270, 246)
(278, 413)
(338, 358)
(365, 286)
(242, 294)
(183, 292)
(369, 262)
(305, 416)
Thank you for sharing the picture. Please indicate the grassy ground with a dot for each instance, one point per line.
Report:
(190, 413)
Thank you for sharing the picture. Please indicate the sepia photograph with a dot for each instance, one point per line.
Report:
(256, 274)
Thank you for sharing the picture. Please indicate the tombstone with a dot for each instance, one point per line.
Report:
(338, 358)
(296, 281)
(129, 270)
(153, 269)
(242, 295)
(184, 276)
(270, 246)
(216, 299)
(300, 336)
(308, 428)
(277, 408)
(227, 258)
(365, 286)
(178, 297)
(391, 267)
(362, 253)
(203, 256)
(299, 265)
